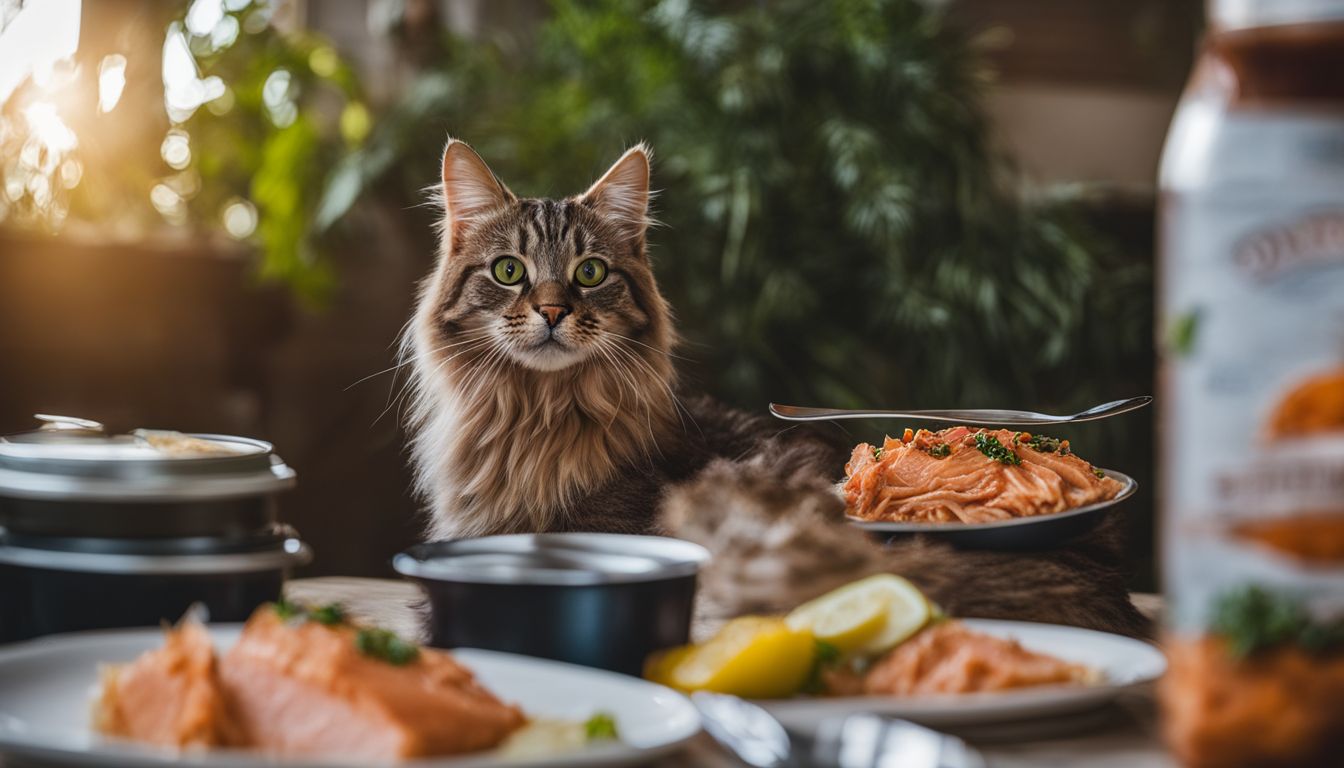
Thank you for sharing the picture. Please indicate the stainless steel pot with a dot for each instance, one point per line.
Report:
(70, 478)
(602, 600)
(101, 530)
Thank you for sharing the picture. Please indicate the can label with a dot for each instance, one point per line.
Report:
(1253, 390)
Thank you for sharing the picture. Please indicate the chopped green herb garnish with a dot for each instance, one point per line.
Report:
(877, 453)
(386, 645)
(991, 447)
(826, 656)
(1044, 444)
(1100, 473)
(285, 609)
(330, 614)
(940, 450)
(1253, 619)
(601, 726)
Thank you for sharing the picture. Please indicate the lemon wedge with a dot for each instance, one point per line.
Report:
(866, 617)
(846, 618)
(660, 664)
(753, 656)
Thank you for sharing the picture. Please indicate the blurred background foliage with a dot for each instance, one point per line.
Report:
(838, 227)
(840, 224)
(228, 133)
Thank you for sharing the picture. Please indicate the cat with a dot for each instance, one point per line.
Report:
(544, 398)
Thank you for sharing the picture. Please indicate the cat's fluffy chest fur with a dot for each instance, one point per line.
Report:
(512, 457)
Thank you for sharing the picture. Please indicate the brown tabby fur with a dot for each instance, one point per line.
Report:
(524, 426)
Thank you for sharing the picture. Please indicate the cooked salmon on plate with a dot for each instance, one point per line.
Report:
(301, 682)
(970, 475)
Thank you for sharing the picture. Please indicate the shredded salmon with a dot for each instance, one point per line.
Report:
(906, 482)
(951, 658)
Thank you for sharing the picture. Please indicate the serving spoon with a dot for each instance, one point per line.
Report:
(989, 416)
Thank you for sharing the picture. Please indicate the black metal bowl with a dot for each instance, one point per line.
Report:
(1018, 534)
(601, 600)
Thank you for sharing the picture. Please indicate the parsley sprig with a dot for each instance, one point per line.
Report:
(601, 726)
(330, 615)
(991, 447)
(386, 645)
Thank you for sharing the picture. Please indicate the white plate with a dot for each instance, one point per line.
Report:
(46, 684)
(1123, 662)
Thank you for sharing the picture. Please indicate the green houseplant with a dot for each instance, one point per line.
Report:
(177, 121)
(837, 226)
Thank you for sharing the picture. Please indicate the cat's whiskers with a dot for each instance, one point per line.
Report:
(477, 374)
(676, 402)
(625, 376)
(407, 360)
(664, 352)
(629, 372)
(406, 387)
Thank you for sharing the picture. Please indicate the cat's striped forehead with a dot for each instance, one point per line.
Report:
(553, 226)
(548, 234)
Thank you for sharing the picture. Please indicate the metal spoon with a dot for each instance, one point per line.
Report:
(756, 738)
(745, 729)
(987, 416)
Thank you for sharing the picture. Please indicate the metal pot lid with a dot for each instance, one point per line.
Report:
(71, 458)
(560, 559)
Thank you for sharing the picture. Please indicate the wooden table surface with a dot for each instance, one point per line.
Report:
(1120, 736)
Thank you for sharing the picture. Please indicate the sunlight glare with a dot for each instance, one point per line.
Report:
(40, 36)
(45, 126)
(71, 172)
(176, 149)
(183, 89)
(111, 81)
(203, 16)
(168, 203)
(240, 218)
(278, 96)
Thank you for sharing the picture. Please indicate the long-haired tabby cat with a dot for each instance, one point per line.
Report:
(546, 400)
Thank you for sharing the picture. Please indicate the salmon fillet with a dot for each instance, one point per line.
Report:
(950, 476)
(306, 689)
(298, 687)
(950, 658)
(170, 697)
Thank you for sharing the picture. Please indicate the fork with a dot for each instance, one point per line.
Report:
(990, 416)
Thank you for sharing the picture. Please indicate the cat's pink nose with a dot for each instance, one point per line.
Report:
(553, 313)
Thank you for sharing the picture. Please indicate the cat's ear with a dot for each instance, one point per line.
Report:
(622, 194)
(470, 189)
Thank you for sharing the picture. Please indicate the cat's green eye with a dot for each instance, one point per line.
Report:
(508, 270)
(591, 272)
